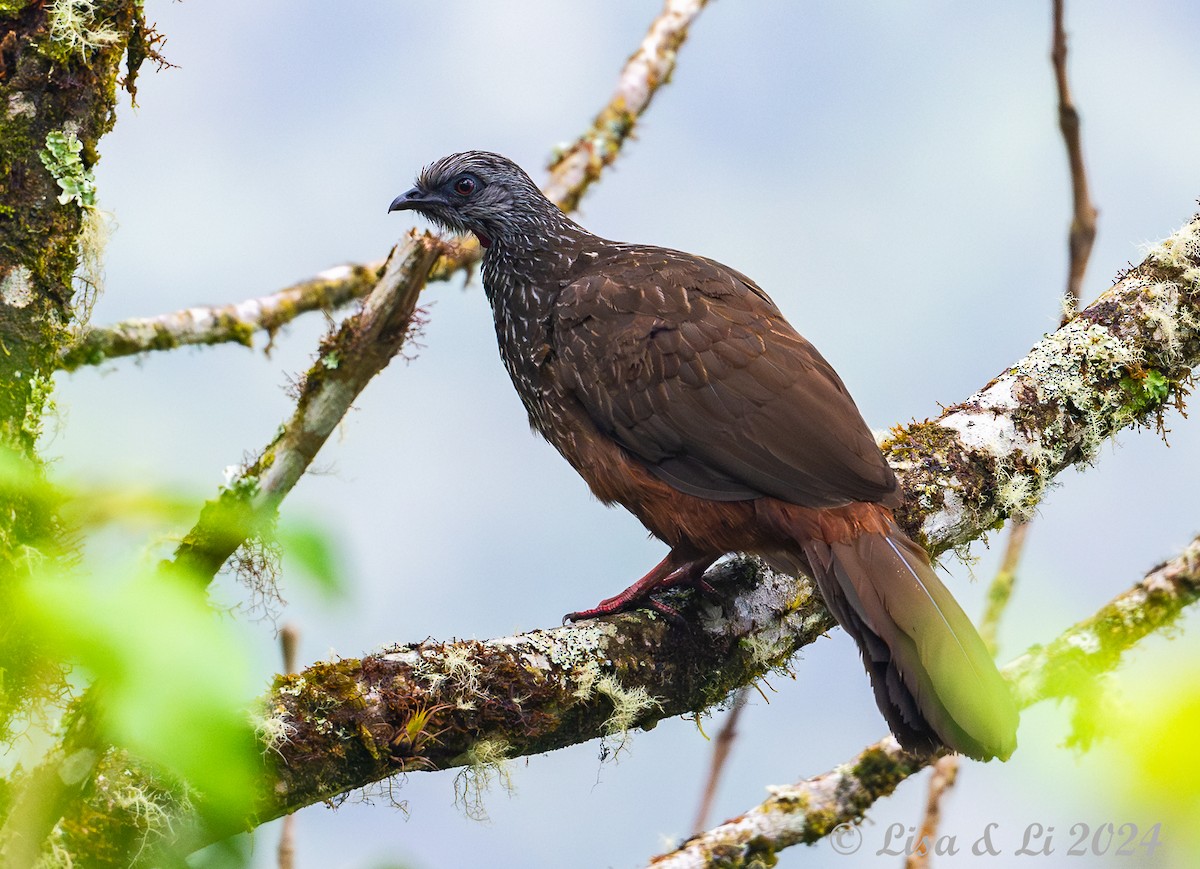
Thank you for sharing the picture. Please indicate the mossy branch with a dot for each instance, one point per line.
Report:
(348, 359)
(807, 811)
(219, 324)
(1123, 361)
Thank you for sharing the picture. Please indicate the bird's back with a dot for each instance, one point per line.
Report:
(692, 368)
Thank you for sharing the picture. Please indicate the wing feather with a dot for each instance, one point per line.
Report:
(694, 371)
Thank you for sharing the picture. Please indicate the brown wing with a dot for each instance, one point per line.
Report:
(692, 369)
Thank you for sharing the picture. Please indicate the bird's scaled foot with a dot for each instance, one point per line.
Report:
(672, 572)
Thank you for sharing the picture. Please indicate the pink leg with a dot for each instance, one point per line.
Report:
(674, 570)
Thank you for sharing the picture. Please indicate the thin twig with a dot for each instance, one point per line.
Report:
(289, 639)
(575, 167)
(722, 745)
(1083, 221)
(1000, 591)
(945, 773)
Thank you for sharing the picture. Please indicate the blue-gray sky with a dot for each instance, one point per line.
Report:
(891, 173)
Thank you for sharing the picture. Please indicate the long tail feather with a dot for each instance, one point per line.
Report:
(933, 678)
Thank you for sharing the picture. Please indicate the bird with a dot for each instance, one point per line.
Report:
(676, 388)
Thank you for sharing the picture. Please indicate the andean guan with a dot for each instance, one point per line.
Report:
(676, 388)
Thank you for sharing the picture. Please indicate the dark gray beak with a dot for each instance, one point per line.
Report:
(412, 200)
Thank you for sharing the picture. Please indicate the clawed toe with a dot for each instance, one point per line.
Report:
(673, 571)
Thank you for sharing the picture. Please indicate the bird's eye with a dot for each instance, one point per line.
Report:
(464, 186)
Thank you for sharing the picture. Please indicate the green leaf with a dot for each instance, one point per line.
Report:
(312, 549)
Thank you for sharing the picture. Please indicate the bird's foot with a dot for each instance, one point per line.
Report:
(671, 572)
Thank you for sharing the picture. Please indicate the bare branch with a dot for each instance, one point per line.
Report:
(722, 745)
(804, 812)
(285, 854)
(1000, 591)
(945, 773)
(1083, 221)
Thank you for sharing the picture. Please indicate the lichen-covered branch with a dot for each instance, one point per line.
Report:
(221, 324)
(1121, 362)
(804, 812)
(348, 358)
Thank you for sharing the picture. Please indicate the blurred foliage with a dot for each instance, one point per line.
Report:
(1160, 750)
(171, 676)
(167, 676)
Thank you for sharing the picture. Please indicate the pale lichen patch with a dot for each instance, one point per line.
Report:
(1179, 250)
(73, 24)
(767, 649)
(458, 665)
(273, 730)
(21, 105)
(16, 289)
(484, 764)
(1086, 642)
(628, 704)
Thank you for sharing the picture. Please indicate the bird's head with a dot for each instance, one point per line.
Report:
(475, 191)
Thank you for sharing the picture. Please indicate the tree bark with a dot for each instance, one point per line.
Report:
(57, 91)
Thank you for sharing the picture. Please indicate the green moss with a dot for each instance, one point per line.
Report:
(1146, 389)
(934, 452)
(760, 854)
(134, 803)
(819, 824)
(12, 8)
(879, 772)
(242, 332)
(40, 403)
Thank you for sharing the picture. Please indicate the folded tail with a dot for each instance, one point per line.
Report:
(934, 680)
